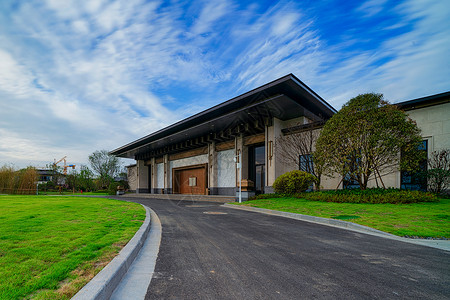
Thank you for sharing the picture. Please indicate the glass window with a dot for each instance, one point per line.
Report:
(414, 180)
(257, 168)
(306, 163)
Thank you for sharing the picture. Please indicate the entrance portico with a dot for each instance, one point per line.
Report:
(196, 155)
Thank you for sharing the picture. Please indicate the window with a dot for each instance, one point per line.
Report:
(354, 164)
(306, 163)
(257, 167)
(414, 180)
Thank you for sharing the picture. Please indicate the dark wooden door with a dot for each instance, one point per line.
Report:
(190, 181)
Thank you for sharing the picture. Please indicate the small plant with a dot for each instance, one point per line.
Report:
(265, 196)
(293, 182)
(373, 196)
(438, 173)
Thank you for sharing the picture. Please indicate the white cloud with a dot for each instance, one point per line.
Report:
(97, 74)
(371, 7)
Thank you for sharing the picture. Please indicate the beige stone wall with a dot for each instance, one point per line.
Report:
(132, 177)
(142, 175)
(434, 121)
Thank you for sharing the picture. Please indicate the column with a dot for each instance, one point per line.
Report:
(142, 177)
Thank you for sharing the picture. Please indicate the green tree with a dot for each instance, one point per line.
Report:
(105, 165)
(365, 138)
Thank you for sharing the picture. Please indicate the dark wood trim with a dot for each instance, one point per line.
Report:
(225, 146)
(190, 153)
(254, 139)
(159, 160)
(303, 127)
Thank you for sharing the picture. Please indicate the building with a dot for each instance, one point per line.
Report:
(200, 154)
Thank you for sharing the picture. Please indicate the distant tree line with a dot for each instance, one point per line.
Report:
(105, 175)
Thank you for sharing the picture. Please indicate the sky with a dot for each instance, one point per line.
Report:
(80, 76)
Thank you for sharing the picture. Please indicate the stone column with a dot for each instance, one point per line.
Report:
(167, 187)
(271, 134)
(212, 165)
(153, 179)
(142, 177)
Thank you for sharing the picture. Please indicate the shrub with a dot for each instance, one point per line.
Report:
(265, 196)
(438, 173)
(112, 190)
(374, 196)
(293, 182)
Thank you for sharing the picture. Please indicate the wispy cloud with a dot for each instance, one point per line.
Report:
(76, 76)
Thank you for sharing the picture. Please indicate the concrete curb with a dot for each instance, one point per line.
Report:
(135, 283)
(438, 244)
(103, 284)
(319, 220)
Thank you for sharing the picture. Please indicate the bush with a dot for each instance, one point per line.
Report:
(265, 196)
(112, 190)
(293, 182)
(374, 196)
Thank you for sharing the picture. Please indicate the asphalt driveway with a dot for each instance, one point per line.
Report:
(212, 252)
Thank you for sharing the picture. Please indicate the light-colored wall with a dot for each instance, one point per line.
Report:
(434, 121)
(226, 175)
(132, 177)
(275, 167)
(142, 175)
(159, 176)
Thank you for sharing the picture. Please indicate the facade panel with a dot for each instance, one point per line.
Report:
(226, 170)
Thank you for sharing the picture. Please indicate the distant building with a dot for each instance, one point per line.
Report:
(46, 175)
(197, 155)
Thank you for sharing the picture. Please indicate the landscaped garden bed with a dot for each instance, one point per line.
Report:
(427, 218)
(50, 247)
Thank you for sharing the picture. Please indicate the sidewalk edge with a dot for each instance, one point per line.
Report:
(103, 284)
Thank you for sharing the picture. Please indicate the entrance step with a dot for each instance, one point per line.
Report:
(186, 197)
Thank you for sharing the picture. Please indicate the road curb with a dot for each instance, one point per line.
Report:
(103, 284)
(313, 219)
(438, 244)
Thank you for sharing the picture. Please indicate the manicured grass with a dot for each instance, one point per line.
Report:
(425, 219)
(71, 193)
(50, 247)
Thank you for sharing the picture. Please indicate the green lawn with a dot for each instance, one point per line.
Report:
(426, 219)
(71, 193)
(50, 247)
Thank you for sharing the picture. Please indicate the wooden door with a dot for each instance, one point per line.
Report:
(190, 180)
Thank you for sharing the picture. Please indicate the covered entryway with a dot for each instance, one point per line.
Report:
(190, 180)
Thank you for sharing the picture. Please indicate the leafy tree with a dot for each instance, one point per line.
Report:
(105, 165)
(364, 140)
(83, 180)
(438, 173)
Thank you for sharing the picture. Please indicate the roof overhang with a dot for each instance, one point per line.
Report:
(284, 98)
(425, 101)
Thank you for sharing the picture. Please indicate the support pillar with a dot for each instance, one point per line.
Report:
(212, 164)
(142, 177)
(167, 187)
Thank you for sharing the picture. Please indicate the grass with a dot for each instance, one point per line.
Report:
(72, 193)
(50, 247)
(425, 219)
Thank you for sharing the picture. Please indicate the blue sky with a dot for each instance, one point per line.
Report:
(79, 76)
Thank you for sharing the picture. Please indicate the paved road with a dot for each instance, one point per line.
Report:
(245, 255)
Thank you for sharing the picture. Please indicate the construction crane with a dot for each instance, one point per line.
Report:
(65, 166)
